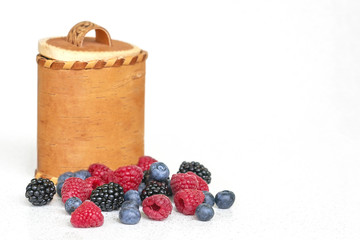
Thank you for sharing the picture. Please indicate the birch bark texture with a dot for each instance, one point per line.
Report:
(90, 111)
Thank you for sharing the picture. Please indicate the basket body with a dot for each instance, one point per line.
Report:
(89, 115)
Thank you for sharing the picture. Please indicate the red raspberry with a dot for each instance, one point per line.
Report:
(129, 177)
(183, 181)
(87, 215)
(202, 185)
(75, 187)
(94, 182)
(101, 171)
(187, 200)
(157, 207)
(112, 178)
(145, 162)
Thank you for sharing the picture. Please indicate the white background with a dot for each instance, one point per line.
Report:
(265, 93)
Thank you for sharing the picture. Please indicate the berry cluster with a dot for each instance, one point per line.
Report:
(86, 193)
(129, 177)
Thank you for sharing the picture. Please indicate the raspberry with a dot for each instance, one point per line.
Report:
(202, 185)
(145, 162)
(101, 171)
(157, 207)
(181, 181)
(94, 182)
(75, 187)
(187, 200)
(87, 215)
(110, 176)
(129, 177)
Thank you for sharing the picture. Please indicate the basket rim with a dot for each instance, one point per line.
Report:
(54, 64)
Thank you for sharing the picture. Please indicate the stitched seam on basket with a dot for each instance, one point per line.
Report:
(67, 65)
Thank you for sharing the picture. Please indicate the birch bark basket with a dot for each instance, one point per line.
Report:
(90, 102)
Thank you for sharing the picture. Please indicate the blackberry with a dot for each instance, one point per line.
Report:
(196, 168)
(147, 179)
(155, 187)
(108, 197)
(40, 191)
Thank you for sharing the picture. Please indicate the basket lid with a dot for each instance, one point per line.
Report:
(76, 47)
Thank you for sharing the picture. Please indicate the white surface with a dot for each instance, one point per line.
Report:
(264, 93)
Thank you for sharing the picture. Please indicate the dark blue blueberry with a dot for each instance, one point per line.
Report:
(142, 186)
(159, 171)
(59, 187)
(204, 212)
(129, 215)
(129, 203)
(225, 199)
(65, 176)
(133, 195)
(72, 203)
(83, 174)
(209, 198)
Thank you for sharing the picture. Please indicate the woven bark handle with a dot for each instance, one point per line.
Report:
(77, 33)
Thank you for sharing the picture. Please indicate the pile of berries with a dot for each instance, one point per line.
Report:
(86, 193)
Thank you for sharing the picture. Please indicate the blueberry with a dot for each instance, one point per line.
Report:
(65, 176)
(72, 203)
(141, 187)
(204, 212)
(225, 199)
(133, 195)
(159, 171)
(209, 198)
(129, 215)
(59, 187)
(129, 203)
(83, 174)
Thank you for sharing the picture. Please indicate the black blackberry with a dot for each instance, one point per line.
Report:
(147, 178)
(40, 191)
(155, 187)
(196, 168)
(108, 197)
